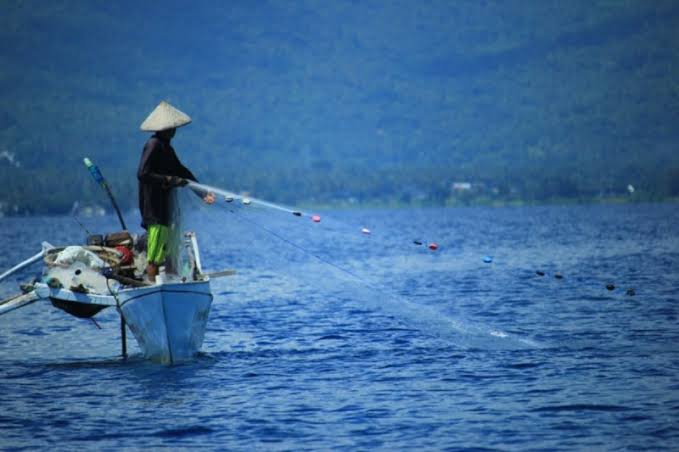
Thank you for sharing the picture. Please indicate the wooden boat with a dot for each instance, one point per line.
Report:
(168, 319)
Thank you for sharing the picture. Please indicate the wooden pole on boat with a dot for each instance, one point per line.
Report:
(123, 336)
(99, 178)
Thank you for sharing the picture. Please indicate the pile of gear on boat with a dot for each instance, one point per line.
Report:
(106, 264)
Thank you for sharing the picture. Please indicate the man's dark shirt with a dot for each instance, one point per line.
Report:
(158, 160)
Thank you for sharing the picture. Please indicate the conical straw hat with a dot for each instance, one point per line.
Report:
(165, 116)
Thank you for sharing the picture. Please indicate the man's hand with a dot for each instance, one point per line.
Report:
(175, 181)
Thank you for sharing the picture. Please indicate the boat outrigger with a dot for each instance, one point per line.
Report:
(168, 318)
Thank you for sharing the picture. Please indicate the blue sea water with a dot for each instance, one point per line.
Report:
(329, 339)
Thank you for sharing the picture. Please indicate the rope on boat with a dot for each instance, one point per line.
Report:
(123, 332)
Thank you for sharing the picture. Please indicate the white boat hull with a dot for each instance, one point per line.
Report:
(167, 320)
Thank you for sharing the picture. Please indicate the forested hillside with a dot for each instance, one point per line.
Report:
(322, 101)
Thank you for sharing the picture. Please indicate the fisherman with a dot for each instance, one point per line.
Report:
(159, 172)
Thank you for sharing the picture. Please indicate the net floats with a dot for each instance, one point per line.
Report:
(432, 246)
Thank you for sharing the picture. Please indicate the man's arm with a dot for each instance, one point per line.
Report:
(178, 169)
(186, 174)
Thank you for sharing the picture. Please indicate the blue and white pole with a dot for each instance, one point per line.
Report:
(99, 178)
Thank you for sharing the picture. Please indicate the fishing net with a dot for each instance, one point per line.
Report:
(178, 257)
(362, 260)
(176, 261)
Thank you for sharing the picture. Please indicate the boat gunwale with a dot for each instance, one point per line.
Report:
(44, 291)
(162, 288)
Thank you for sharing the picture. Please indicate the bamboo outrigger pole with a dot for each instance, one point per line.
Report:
(45, 247)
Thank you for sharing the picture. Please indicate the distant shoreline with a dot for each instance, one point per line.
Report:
(485, 202)
(393, 204)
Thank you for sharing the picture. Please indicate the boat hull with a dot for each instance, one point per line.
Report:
(167, 320)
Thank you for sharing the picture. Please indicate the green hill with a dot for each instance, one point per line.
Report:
(314, 101)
